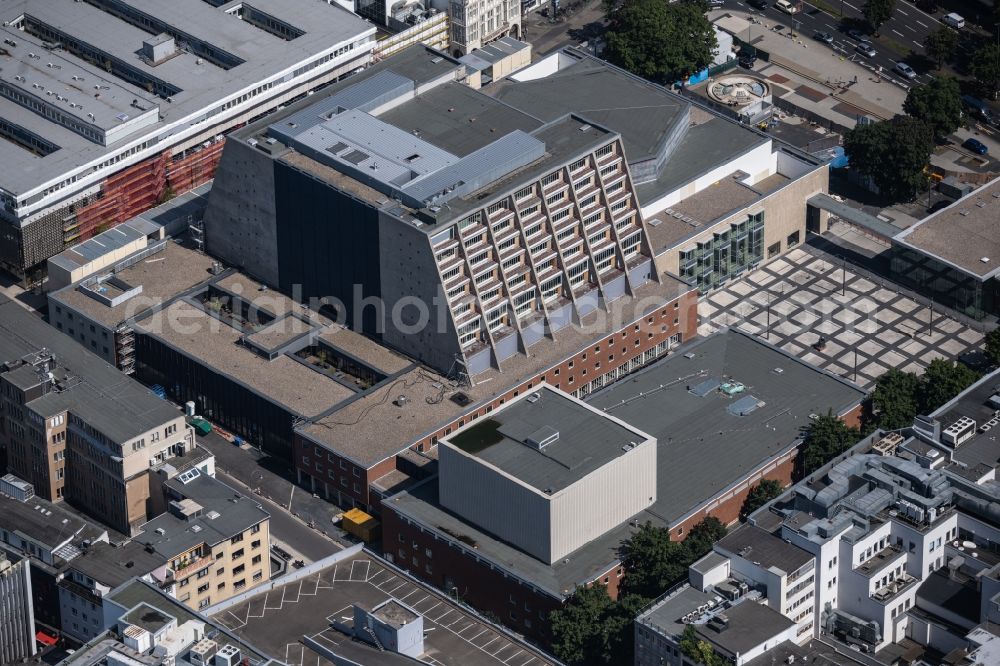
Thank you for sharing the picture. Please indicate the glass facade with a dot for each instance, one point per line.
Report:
(726, 255)
(945, 284)
(218, 398)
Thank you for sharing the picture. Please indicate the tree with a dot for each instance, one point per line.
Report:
(893, 154)
(941, 45)
(895, 399)
(942, 381)
(701, 537)
(652, 562)
(938, 104)
(877, 12)
(660, 41)
(985, 66)
(991, 346)
(697, 650)
(759, 495)
(824, 439)
(578, 628)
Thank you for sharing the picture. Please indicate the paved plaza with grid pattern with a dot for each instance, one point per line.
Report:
(870, 323)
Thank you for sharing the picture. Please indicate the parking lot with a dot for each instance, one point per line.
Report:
(868, 325)
(276, 621)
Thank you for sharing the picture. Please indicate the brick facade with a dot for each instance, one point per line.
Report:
(324, 471)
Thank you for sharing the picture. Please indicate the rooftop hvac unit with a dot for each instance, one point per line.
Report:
(959, 431)
(228, 655)
(203, 651)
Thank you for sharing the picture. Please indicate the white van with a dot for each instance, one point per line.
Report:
(954, 20)
(787, 7)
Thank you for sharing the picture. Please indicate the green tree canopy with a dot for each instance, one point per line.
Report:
(985, 66)
(699, 651)
(592, 629)
(941, 45)
(759, 495)
(991, 346)
(652, 561)
(660, 41)
(895, 399)
(942, 381)
(893, 153)
(701, 537)
(877, 12)
(938, 103)
(824, 439)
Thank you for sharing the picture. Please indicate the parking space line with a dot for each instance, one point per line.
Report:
(393, 590)
(519, 652)
(437, 620)
(432, 608)
(478, 635)
(410, 593)
(898, 32)
(495, 639)
(919, 22)
(530, 659)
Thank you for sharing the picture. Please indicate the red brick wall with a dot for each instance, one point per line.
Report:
(853, 416)
(487, 589)
(335, 477)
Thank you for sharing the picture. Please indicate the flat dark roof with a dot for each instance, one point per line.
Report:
(690, 428)
(575, 441)
(642, 112)
(45, 522)
(754, 544)
(982, 448)
(113, 566)
(110, 401)
(750, 624)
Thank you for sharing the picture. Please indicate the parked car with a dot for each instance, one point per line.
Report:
(975, 146)
(747, 60)
(978, 109)
(824, 37)
(715, 4)
(905, 70)
(787, 7)
(758, 4)
(954, 20)
(866, 49)
(856, 34)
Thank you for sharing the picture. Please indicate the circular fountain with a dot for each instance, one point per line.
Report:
(738, 90)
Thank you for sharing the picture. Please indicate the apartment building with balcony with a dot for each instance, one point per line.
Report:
(75, 427)
(211, 543)
(215, 539)
(114, 105)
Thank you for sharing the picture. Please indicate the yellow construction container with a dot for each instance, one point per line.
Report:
(361, 525)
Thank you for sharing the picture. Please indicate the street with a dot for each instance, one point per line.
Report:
(292, 509)
(906, 30)
(288, 531)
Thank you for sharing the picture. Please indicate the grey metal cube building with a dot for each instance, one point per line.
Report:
(405, 185)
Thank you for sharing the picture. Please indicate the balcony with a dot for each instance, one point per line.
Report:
(879, 561)
(892, 590)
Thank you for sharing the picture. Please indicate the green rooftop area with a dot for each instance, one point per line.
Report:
(479, 437)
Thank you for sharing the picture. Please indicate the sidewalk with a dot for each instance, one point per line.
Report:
(812, 76)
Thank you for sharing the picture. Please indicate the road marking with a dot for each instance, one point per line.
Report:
(902, 12)
(852, 6)
(910, 28)
(898, 33)
(917, 43)
(829, 26)
(919, 22)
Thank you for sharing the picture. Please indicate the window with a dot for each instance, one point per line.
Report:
(237, 538)
(238, 554)
(203, 588)
(255, 529)
(793, 239)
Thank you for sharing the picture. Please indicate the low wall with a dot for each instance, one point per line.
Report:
(298, 574)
